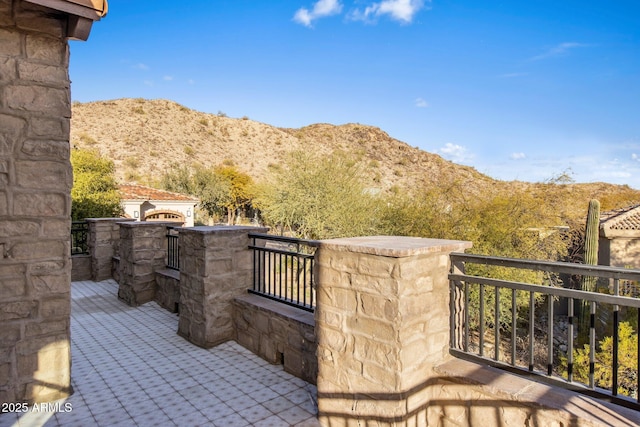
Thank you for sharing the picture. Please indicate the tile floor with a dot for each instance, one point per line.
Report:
(130, 368)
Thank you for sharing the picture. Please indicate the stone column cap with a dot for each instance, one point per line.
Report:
(131, 224)
(394, 246)
(217, 229)
(109, 219)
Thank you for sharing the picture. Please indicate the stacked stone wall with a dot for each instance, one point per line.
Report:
(80, 267)
(168, 289)
(215, 267)
(104, 245)
(35, 205)
(143, 251)
(278, 333)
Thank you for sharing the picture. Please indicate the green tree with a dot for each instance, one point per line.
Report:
(603, 375)
(318, 197)
(240, 189)
(222, 190)
(95, 192)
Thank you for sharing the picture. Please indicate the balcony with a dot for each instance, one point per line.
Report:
(389, 333)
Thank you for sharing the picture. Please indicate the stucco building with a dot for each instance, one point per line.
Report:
(150, 204)
(619, 243)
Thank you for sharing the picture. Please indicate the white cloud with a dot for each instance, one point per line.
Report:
(421, 103)
(320, 9)
(399, 10)
(558, 50)
(167, 78)
(141, 66)
(635, 157)
(191, 81)
(148, 83)
(456, 153)
(517, 156)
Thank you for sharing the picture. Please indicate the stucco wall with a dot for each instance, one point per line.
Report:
(624, 252)
(35, 205)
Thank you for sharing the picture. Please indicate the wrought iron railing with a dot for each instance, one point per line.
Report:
(283, 269)
(538, 330)
(173, 249)
(79, 238)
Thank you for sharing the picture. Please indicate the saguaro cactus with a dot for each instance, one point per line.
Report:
(588, 283)
(591, 243)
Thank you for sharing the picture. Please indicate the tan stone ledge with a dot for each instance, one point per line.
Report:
(110, 219)
(220, 229)
(393, 246)
(523, 391)
(127, 223)
(284, 310)
(167, 272)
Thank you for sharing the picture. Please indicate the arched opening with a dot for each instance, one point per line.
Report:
(164, 216)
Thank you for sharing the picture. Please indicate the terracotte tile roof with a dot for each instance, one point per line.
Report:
(141, 192)
(621, 219)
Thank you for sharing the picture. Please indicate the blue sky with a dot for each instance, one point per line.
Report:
(521, 90)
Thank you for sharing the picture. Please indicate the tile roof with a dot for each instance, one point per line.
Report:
(621, 219)
(141, 192)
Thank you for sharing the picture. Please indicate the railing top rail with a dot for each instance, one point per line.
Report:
(550, 290)
(312, 243)
(553, 266)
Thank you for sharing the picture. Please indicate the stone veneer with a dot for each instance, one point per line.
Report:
(215, 267)
(168, 289)
(143, 251)
(35, 204)
(104, 245)
(382, 325)
(277, 332)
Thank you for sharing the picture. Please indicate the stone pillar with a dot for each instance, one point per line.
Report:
(104, 244)
(35, 204)
(215, 266)
(143, 250)
(382, 324)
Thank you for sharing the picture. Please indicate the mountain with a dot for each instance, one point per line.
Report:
(145, 137)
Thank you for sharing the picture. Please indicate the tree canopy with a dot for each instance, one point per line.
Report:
(318, 197)
(95, 192)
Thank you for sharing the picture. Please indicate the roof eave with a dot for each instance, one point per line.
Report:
(82, 14)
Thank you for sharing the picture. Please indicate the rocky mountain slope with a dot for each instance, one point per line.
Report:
(145, 137)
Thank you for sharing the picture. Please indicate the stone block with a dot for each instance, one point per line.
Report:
(56, 128)
(46, 149)
(44, 74)
(12, 287)
(44, 285)
(39, 250)
(38, 204)
(43, 174)
(12, 270)
(56, 327)
(10, 42)
(39, 99)
(18, 228)
(343, 300)
(56, 228)
(375, 266)
(12, 128)
(47, 50)
(379, 306)
(18, 310)
(7, 69)
(57, 307)
(10, 334)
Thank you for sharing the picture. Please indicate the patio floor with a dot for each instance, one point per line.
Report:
(130, 368)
